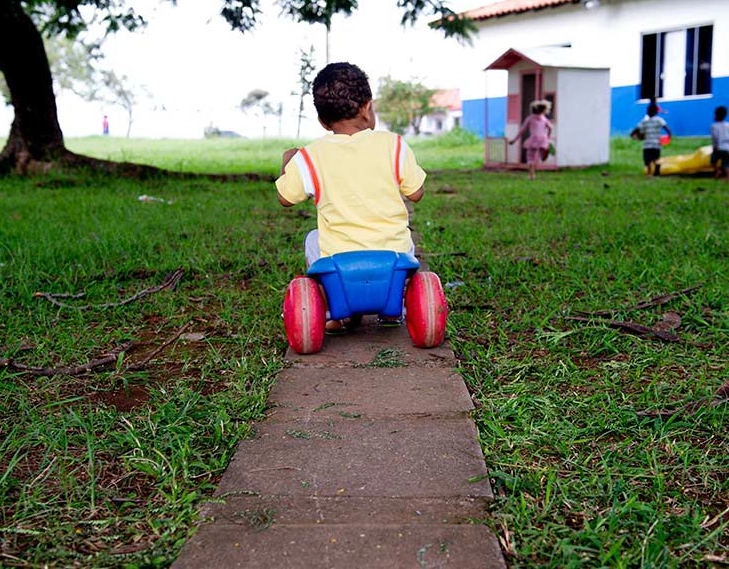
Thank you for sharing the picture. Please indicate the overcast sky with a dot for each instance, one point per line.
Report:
(189, 63)
(193, 40)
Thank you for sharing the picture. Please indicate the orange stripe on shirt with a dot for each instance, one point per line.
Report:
(398, 150)
(312, 172)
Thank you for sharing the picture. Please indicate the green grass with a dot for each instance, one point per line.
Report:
(107, 468)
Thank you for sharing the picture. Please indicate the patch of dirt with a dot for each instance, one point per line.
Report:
(124, 399)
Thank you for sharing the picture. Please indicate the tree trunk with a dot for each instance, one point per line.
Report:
(35, 134)
(35, 143)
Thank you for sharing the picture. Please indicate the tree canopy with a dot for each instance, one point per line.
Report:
(35, 134)
(403, 104)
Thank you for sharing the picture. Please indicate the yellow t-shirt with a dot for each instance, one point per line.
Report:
(358, 183)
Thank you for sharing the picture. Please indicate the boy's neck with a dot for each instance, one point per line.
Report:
(349, 126)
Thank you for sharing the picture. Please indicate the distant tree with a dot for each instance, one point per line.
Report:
(117, 91)
(35, 134)
(317, 12)
(306, 79)
(257, 100)
(77, 66)
(254, 99)
(74, 64)
(403, 104)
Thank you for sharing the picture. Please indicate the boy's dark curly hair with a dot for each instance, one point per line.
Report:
(340, 90)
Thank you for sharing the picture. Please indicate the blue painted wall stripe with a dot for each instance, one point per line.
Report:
(474, 116)
(688, 117)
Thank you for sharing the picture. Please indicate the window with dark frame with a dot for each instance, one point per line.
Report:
(676, 63)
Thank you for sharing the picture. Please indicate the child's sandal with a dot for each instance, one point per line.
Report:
(335, 328)
(390, 322)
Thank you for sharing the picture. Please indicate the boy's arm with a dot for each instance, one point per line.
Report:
(287, 156)
(283, 201)
(417, 195)
(521, 131)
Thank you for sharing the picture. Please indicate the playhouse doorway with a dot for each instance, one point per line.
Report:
(528, 94)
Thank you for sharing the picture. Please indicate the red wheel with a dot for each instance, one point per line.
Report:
(426, 310)
(304, 315)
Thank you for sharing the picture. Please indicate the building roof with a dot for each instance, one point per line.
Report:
(546, 57)
(508, 7)
(447, 98)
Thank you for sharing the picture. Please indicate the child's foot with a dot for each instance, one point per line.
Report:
(353, 321)
(335, 328)
(390, 321)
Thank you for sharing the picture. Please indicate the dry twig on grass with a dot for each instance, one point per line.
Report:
(143, 363)
(720, 397)
(629, 326)
(105, 360)
(655, 301)
(169, 283)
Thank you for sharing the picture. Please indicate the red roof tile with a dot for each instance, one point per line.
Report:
(507, 7)
(447, 98)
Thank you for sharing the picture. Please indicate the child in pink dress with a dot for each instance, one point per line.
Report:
(540, 129)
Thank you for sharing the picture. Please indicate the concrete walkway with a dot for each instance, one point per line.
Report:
(368, 459)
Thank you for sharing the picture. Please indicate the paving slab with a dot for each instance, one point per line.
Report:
(237, 508)
(368, 343)
(368, 458)
(388, 457)
(354, 392)
(343, 547)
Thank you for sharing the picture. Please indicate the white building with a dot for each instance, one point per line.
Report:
(449, 113)
(673, 50)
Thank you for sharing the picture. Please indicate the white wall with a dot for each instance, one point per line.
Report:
(610, 34)
(583, 117)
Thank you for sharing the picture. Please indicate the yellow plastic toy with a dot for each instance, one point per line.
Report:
(697, 163)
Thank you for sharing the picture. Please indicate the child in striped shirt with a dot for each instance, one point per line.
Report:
(650, 128)
(720, 143)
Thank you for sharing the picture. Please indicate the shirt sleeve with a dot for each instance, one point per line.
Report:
(413, 176)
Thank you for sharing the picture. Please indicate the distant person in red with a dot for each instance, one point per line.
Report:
(105, 125)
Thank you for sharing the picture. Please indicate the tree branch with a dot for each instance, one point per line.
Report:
(721, 396)
(655, 301)
(169, 283)
(143, 363)
(106, 359)
(633, 327)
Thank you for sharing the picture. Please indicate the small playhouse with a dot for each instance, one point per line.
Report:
(579, 92)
